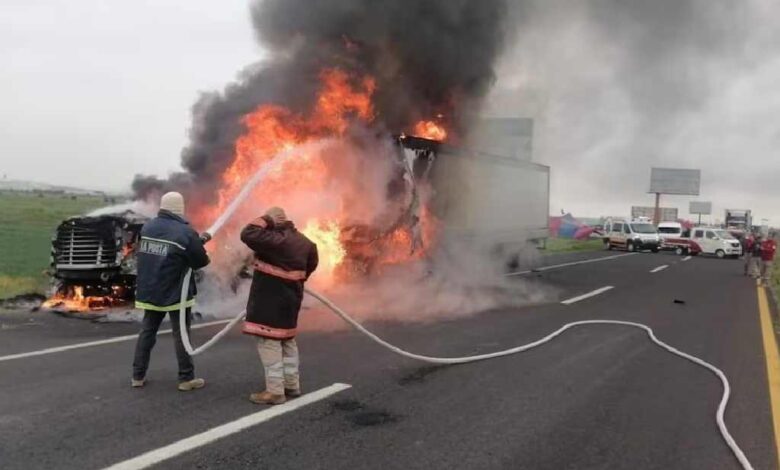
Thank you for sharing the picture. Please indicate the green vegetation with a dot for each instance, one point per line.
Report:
(563, 245)
(27, 223)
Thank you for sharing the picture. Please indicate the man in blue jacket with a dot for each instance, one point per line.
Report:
(167, 248)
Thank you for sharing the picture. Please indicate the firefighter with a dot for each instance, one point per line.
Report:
(168, 246)
(283, 260)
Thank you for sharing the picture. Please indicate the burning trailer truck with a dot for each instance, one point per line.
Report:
(93, 260)
(436, 190)
(498, 201)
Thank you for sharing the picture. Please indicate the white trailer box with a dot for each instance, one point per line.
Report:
(497, 200)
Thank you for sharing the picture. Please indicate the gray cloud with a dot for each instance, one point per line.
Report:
(619, 86)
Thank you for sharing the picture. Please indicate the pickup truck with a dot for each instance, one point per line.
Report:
(706, 240)
(716, 241)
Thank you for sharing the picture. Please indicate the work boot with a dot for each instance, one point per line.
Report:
(267, 398)
(292, 392)
(137, 383)
(190, 385)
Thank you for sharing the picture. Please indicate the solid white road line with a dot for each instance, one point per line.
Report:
(198, 440)
(587, 296)
(116, 339)
(574, 263)
(687, 258)
(659, 268)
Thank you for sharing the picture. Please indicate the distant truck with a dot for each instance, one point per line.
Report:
(741, 219)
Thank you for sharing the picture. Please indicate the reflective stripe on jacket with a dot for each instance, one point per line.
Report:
(284, 259)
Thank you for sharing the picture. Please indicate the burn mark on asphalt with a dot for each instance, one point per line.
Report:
(419, 375)
(373, 418)
(362, 415)
(347, 405)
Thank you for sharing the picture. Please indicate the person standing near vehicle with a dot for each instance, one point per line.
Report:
(284, 260)
(768, 249)
(750, 241)
(168, 247)
(754, 269)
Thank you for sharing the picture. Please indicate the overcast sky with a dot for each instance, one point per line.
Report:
(94, 92)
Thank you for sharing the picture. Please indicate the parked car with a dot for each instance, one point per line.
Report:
(631, 236)
(716, 241)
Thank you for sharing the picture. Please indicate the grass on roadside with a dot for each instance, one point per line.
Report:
(27, 223)
(564, 245)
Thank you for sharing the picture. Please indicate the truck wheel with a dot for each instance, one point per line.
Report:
(631, 247)
(608, 246)
(679, 251)
(654, 249)
(720, 254)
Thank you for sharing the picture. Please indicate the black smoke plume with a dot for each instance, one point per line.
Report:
(428, 57)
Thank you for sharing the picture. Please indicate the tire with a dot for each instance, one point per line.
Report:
(679, 251)
(655, 249)
(608, 246)
(630, 247)
(720, 254)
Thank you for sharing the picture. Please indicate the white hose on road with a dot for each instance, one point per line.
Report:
(719, 415)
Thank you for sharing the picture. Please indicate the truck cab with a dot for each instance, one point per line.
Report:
(632, 236)
(716, 241)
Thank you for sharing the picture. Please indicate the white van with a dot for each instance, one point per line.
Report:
(670, 230)
(631, 236)
(716, 241)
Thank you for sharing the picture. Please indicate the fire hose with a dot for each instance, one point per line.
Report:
(719, 415)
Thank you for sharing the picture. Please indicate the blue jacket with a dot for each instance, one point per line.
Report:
(168, 246)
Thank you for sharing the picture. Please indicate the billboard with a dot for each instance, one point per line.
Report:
(668, 214)
(701, 208)
(675, 181)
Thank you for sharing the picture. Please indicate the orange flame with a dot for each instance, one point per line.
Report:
(326, 236)
(430, 130)
(72, 299)
(341, 101)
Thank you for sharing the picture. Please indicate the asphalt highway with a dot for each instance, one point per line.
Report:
(597, 397)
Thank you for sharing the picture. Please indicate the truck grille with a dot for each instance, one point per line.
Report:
(83, 248)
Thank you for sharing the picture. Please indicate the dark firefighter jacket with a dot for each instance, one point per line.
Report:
(284, 260)
(168, 246)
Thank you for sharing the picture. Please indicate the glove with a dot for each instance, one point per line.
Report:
(205, 237)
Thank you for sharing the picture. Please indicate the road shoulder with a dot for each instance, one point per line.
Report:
(770, 341)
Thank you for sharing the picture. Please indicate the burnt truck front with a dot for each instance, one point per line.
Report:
(93, 260)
